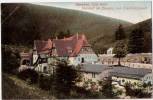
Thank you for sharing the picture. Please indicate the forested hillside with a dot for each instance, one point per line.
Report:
(146, 27)
(22, 23)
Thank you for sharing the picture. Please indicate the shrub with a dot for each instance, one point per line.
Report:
(66, 77)
(10, 60)
(29, 74)
(136, 92)
(45, 82)
(107, 88)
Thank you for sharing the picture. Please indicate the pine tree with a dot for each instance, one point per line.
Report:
(61, 35)
(136, 41)
(66, 77)
(120, 34)
(107, 88)
(120, 50)
(68, 33)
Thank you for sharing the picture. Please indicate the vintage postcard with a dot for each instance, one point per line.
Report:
(77, 50)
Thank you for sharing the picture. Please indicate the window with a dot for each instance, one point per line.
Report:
(43, 60)
(26, 62)
(82, 60)
(70, 51)
(45, 69)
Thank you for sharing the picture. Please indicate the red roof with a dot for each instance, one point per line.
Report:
(70, 46)
(43, 46)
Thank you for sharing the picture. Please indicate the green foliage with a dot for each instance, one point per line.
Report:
(36, 22)
(66, 77)
(62, 34)
(68, 33)
(10, 59)
(53, 20)
(45, 82)
(120, 50)
(120, 34)
(136, 41)
(107, 88)
(119, 92)
(30, 75)
(145, 85)
(136, 92)
(146, 27)
(82, 93)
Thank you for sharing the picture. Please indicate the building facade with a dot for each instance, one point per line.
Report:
(75, 49)
(119, 75)
(148, 78)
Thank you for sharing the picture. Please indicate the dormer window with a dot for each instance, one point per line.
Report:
(69, 49)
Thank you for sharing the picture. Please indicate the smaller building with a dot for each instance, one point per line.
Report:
(26, 61)
(148, 78)
(124, 75)
(93, 71)
(110, 50)
(121, 75)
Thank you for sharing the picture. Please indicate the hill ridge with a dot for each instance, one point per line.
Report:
(37, 21)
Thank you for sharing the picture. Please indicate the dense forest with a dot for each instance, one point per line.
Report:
(23, 23)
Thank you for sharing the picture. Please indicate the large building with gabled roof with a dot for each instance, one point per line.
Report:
(75, 49)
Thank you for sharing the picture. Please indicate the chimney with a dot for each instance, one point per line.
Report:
(77, 35)
(83, 36)
(56, 38)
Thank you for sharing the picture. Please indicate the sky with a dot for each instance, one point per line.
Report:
(130, 11)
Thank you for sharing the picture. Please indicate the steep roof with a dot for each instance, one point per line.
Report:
(70, 46)
(43, 46)
(63, 47)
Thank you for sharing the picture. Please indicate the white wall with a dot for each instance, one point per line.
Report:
(148, 78)
(35, 57)
(88, 75)
(88, 58)
(130, 80)
(40, 67)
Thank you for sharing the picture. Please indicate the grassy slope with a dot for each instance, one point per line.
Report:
(14, 88)
(49, 20)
